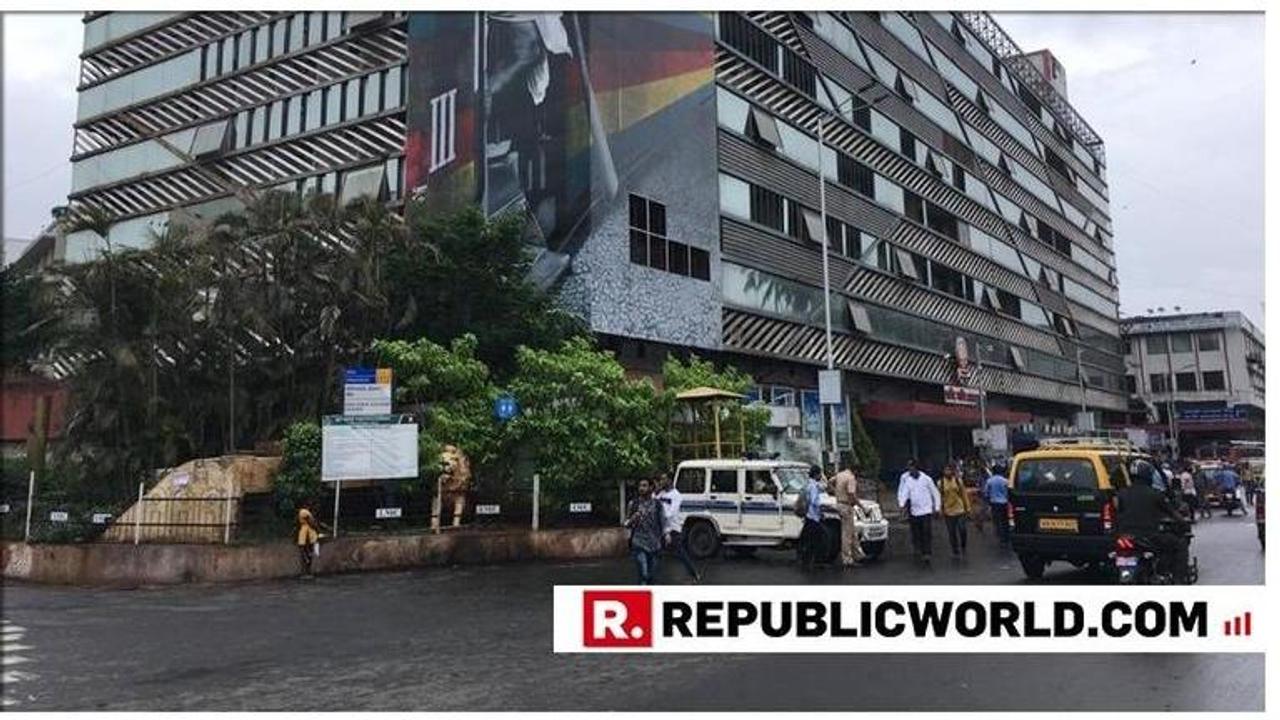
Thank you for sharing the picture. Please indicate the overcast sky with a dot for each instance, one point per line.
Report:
(1178, 99)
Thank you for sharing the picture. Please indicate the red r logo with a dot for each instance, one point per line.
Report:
(617, 618)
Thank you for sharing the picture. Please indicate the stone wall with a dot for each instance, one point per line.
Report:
(127, 565)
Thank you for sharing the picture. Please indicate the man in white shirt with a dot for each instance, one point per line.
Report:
(919, 498)
(673, 539)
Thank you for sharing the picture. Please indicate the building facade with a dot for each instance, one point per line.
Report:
(669, 165)
(1198, 377)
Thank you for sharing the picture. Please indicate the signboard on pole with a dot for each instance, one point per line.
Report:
(829, 390)
(367, 391)
(370, 447)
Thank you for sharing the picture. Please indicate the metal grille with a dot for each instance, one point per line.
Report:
(990, 32)
(353, 144)
(923, 242)
(1046, 256)
(780, 26)
(974, 116)
(1043, 213)
(283, 77)
(163, 42)
(758, 335)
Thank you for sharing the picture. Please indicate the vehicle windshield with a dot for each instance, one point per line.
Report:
(793, 479)
(1050, 474)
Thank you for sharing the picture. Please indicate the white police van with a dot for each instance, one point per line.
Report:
(747, 504)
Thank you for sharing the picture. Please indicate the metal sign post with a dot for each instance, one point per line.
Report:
(137, 518)
(536, 487)
(337, 495)
(31, 493)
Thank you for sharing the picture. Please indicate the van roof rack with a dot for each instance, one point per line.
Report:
(1092, 443)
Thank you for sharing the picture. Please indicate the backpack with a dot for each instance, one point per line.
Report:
(801, 508)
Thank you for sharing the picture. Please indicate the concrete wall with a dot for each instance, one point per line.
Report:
(127, 565)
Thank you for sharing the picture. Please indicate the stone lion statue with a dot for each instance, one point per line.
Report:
(454, 481)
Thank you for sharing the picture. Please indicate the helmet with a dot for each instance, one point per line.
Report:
(1142, 472)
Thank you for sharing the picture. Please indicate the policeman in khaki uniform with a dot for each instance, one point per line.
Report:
(844, 486)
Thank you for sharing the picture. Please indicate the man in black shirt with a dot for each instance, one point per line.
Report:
(1141, 508)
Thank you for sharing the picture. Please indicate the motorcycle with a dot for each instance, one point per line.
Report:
(1230, 501)
(1137, 562)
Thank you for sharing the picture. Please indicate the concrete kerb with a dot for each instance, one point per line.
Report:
(127, 565)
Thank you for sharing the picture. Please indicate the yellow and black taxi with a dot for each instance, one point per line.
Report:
(1062, 500)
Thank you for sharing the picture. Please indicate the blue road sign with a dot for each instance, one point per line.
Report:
(505, 407)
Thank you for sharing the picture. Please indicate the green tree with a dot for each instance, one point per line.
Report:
(465, 274)
(585, 424)
(299, 475)
(866, 456)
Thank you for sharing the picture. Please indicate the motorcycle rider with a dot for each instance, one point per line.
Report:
(1139, 511)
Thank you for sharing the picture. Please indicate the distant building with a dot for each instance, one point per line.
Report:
(1209, 368)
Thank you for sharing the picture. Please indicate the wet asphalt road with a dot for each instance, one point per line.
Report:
(479, 638)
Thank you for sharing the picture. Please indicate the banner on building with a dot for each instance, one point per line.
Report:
(960, 395)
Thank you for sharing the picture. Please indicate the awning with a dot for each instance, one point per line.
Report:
(925, 413)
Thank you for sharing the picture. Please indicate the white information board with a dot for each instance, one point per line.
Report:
(356, 450)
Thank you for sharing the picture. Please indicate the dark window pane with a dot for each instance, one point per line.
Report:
(638, 213)
(862, 116)
(657, 252)
(766, 207)
(1213, 380)
(678, 258)
(657, 218)
(699, 264)
(1186, 381)
(907, 143)
(639, 247)
(914, 206)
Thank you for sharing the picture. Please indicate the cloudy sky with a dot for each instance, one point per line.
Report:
(1178, 98)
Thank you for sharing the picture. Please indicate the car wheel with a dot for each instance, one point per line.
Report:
(701, 539)
(831, 552)
(1032, 566)
(873, 550)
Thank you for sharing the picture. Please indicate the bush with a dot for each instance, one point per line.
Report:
(299, 476)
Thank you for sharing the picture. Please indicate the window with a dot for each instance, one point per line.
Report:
(941, 221)
(1213, 380)
(363, 182)
(858, 318)
(742, 35)
(699, 264)
(853, 174)
(333, 105)
(907, 264)
(766, 208)
(1056, 475)
(371, 89)
(1159, 382)
(735, 197)
(1157, 345)
(1131, 384)
(443, 130)
(913, 205)
(691, 481)
(1015, 357)
(678, 258)
(947, 280)
(1008, 303)
(724, 481)
(1180, 342)
(862, 116)
(760, 482)
(797, 71)
(315, 108)
(1185, 381)
(907, 143)
(391, 87)
(1208, 342)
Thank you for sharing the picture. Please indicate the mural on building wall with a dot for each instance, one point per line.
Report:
(553, 114)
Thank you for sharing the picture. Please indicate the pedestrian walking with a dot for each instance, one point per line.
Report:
(812, 536)
(846, 492)
(996, 492)
(1203, 487)
(308, 538)
(1189, 495)
(673, 538)
(919, 499)
(644, 519)
(955, 509)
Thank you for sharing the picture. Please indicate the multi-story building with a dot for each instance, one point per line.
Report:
(1199, 377)
(670, 164)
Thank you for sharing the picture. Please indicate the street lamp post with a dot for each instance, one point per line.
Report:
(826, 261)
